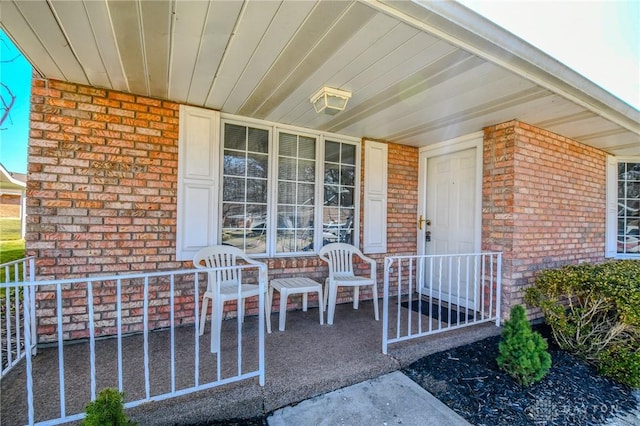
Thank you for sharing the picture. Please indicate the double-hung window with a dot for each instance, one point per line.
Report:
(271, 190)
(623, 215)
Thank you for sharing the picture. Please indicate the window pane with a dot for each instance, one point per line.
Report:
(348, 154)
(258, 140)
(233, 189)
(235, 163)
(305, 193)
(288, 145)
(286, 193)
(245, 188)
(235, 137)
(258, 165)
(348, 175)
(307, 149)
(331, 173)
(339, 191)
(296, 189)
(332, 152)
(256, 191)
(628, 208)
(306, 171)
(287, 168)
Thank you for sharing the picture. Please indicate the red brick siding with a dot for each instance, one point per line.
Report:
(101, 199)
(543, 203)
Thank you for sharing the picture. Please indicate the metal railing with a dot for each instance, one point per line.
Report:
(16, 317)
(131, 307)
(436, 293)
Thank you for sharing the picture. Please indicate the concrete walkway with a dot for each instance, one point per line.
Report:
(391, 399)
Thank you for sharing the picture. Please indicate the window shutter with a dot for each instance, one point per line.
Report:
(198, 180)
(375, 197)
(612, 208)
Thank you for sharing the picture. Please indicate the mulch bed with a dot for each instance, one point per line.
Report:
(468, 380)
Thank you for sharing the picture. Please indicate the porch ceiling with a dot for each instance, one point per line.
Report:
(420, 72)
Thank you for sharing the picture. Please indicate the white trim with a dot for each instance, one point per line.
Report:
(611, 225)
(281, 126)
(611, 219)
(472, 140)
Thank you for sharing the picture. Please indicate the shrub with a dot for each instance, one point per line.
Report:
(107, 410)
(523, 352)
(594, 313)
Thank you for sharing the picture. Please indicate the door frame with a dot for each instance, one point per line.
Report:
(472, 140)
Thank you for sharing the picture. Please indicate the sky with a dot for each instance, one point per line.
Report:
(599, 39)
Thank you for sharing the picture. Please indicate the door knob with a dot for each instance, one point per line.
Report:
(425, 221)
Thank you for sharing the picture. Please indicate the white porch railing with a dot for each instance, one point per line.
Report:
(137, 302)
(436, 293)
(14, 318)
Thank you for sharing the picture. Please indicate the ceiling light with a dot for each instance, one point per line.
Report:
(330, 100)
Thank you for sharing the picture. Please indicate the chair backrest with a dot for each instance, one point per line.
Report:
(339, 256)
(219, 257)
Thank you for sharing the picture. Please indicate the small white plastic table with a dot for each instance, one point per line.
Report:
(295, 285)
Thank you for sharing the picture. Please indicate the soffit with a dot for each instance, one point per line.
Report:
(420, 73)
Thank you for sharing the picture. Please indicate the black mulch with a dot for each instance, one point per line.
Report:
(468, 380)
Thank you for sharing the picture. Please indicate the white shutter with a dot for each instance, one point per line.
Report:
(612, 208)
(198, 185)
(375, 197)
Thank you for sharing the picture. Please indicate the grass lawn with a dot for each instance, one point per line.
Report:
(11, 246)
(9, 228)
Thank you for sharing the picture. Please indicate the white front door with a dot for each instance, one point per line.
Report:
(450, 204)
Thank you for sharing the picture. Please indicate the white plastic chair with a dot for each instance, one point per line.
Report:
(224, 256)
(339, 256)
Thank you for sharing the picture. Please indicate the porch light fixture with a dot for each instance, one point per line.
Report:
(329, 100)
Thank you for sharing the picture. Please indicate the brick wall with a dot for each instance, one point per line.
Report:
(101, 200)
(543, 203)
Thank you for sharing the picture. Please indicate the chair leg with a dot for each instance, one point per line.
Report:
(283, 309)
(321, 305)
(333, 295)
(356, 296)
(326, 294)
(216, 325)
(375, 301)
(203, 313)
(267, 309)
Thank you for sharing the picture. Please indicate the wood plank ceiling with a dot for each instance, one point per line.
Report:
(420, 73)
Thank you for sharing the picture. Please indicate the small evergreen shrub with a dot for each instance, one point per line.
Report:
(523, 352)
(594, 313)
(107, 410)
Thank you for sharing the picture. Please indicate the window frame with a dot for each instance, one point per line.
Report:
(274, 130)
(611, 250)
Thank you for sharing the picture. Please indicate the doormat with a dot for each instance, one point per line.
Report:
(443, 311)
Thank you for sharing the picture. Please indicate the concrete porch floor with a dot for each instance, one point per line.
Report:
(304, 361)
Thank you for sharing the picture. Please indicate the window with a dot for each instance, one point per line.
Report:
(286, 192)
(628, 216)
(623, 207)
(296, 193)
(267, 189)
(338, 210)
(245, 172)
